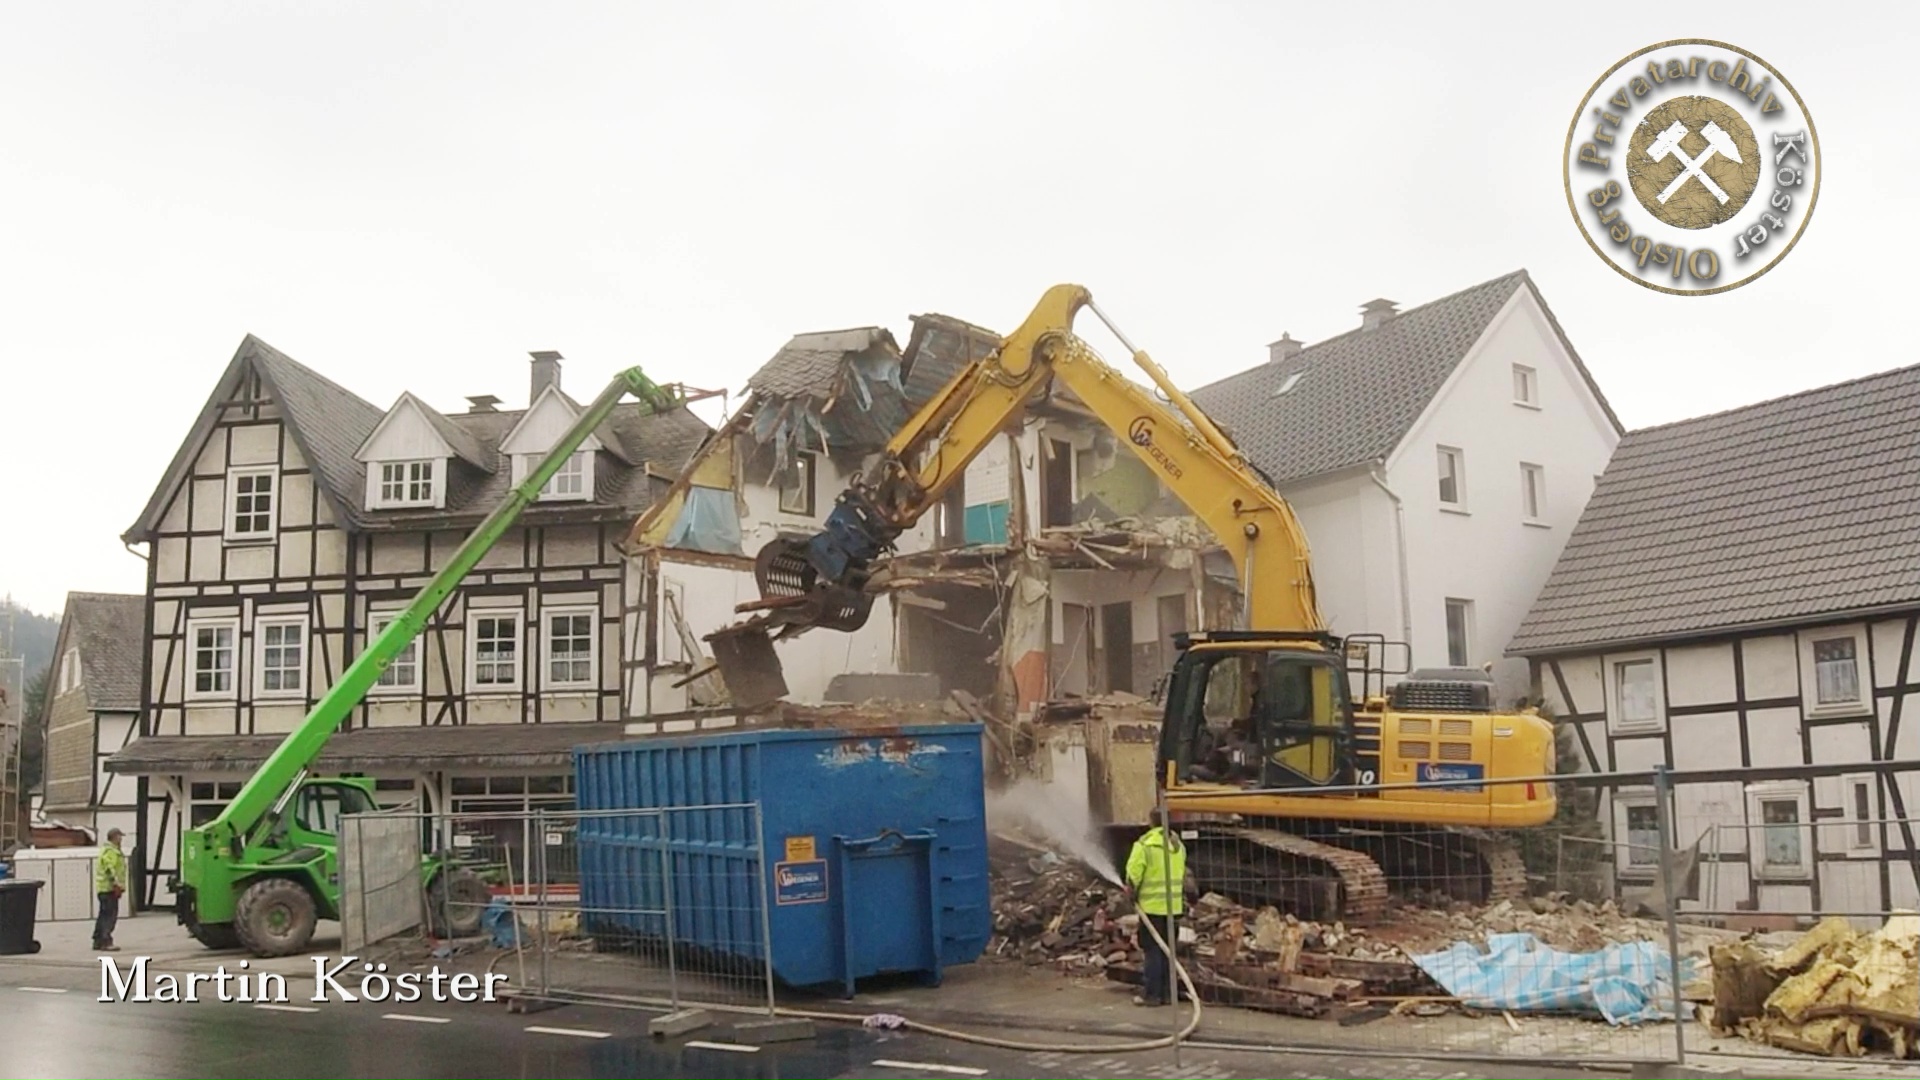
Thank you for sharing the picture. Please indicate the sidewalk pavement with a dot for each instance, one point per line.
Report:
(159, 937)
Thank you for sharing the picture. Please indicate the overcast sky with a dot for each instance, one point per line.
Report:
(412, 196)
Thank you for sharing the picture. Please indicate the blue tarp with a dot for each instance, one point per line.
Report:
(708, 521)
(1625, 984)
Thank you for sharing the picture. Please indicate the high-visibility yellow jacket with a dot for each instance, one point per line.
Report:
(1157, 870)
(109, 870)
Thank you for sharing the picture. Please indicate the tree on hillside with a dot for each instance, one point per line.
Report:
(33, 733)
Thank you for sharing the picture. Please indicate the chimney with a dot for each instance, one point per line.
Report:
(1375, 312)
(482, 403)
(546, 372)
(1284, 349)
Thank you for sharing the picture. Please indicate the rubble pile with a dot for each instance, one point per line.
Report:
(1053, 912)
(1835, 991)
(1049, 911)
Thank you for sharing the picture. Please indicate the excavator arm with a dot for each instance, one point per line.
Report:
(822, 580)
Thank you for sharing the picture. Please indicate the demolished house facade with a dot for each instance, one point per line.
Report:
(1056, 566)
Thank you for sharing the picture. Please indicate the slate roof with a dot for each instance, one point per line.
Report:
(1361, 392)
(329, 424)
(459, 440)
(364, 749)
(107, 628)
(1791, 510)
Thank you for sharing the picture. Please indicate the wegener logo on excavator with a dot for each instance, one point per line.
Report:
(1140, 433)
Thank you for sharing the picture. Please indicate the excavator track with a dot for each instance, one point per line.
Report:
(1309, 867)
(1506, 871)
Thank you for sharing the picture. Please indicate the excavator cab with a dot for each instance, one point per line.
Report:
(1258, 710)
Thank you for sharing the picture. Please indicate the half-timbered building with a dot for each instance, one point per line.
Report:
(1739, 603)
(296, 518)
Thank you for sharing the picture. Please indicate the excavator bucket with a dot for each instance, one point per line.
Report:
(748, 665)
(793, 590)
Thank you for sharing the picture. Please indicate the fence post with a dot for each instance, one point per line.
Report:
(766, 915)
(666, 884)
(540, 899)
(1663, 792)
(360, 879)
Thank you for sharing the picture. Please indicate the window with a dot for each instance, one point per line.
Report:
(1291, 381)
(70, 670)
(402, 674)
(1636, 833)
(1778, 821)
(493, 650)
(1636, 698)
(1643, 835)
(1860, 831)
(1459, 624)
(570, 647)
(250, 510)
(570, 481)
(1533, 492)
(210, 659)
(406, 483)
(1526, 388)
(1833, 675)
(1453, 478)
(1836, 672)
(281, 667)
(1635, 682)
(796, 486)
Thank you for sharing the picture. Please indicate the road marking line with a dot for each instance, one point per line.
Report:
(697, 1044)
(287, 1008)
(578, 1033)
(43, 990)
(921, 1066)
(417, 1019)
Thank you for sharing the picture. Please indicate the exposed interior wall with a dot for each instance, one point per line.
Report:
(959, 640)
(710, 594)
(1090, 659)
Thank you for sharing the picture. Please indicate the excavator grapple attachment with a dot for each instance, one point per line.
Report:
(794, 593)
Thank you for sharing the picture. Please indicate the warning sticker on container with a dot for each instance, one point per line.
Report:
(800, 849)
(800, 882)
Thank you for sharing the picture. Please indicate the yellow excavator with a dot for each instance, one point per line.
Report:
(1293, 792)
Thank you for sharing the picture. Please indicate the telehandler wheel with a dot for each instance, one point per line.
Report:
(216, 935)
(275, 917)
(458, 899)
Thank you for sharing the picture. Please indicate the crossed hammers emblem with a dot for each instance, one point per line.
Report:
(1668, 143)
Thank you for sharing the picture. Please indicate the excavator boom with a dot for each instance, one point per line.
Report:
(820, 582)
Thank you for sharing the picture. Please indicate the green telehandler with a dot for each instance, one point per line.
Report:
(265, 871)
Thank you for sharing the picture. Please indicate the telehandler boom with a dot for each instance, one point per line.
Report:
(260, 876)
(1320, 800)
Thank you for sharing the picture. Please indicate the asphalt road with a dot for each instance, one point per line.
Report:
(52, 1025)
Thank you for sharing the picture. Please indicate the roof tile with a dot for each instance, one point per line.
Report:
(1796, 508)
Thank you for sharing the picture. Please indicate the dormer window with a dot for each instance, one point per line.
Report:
(407, 483)
(573, 481)
(570, 482)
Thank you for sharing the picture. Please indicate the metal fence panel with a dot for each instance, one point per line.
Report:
(380, 882)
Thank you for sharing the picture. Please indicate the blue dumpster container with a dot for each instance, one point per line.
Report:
(872, 846)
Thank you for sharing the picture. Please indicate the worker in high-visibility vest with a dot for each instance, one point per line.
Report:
(1157, 883)
(109, 884)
